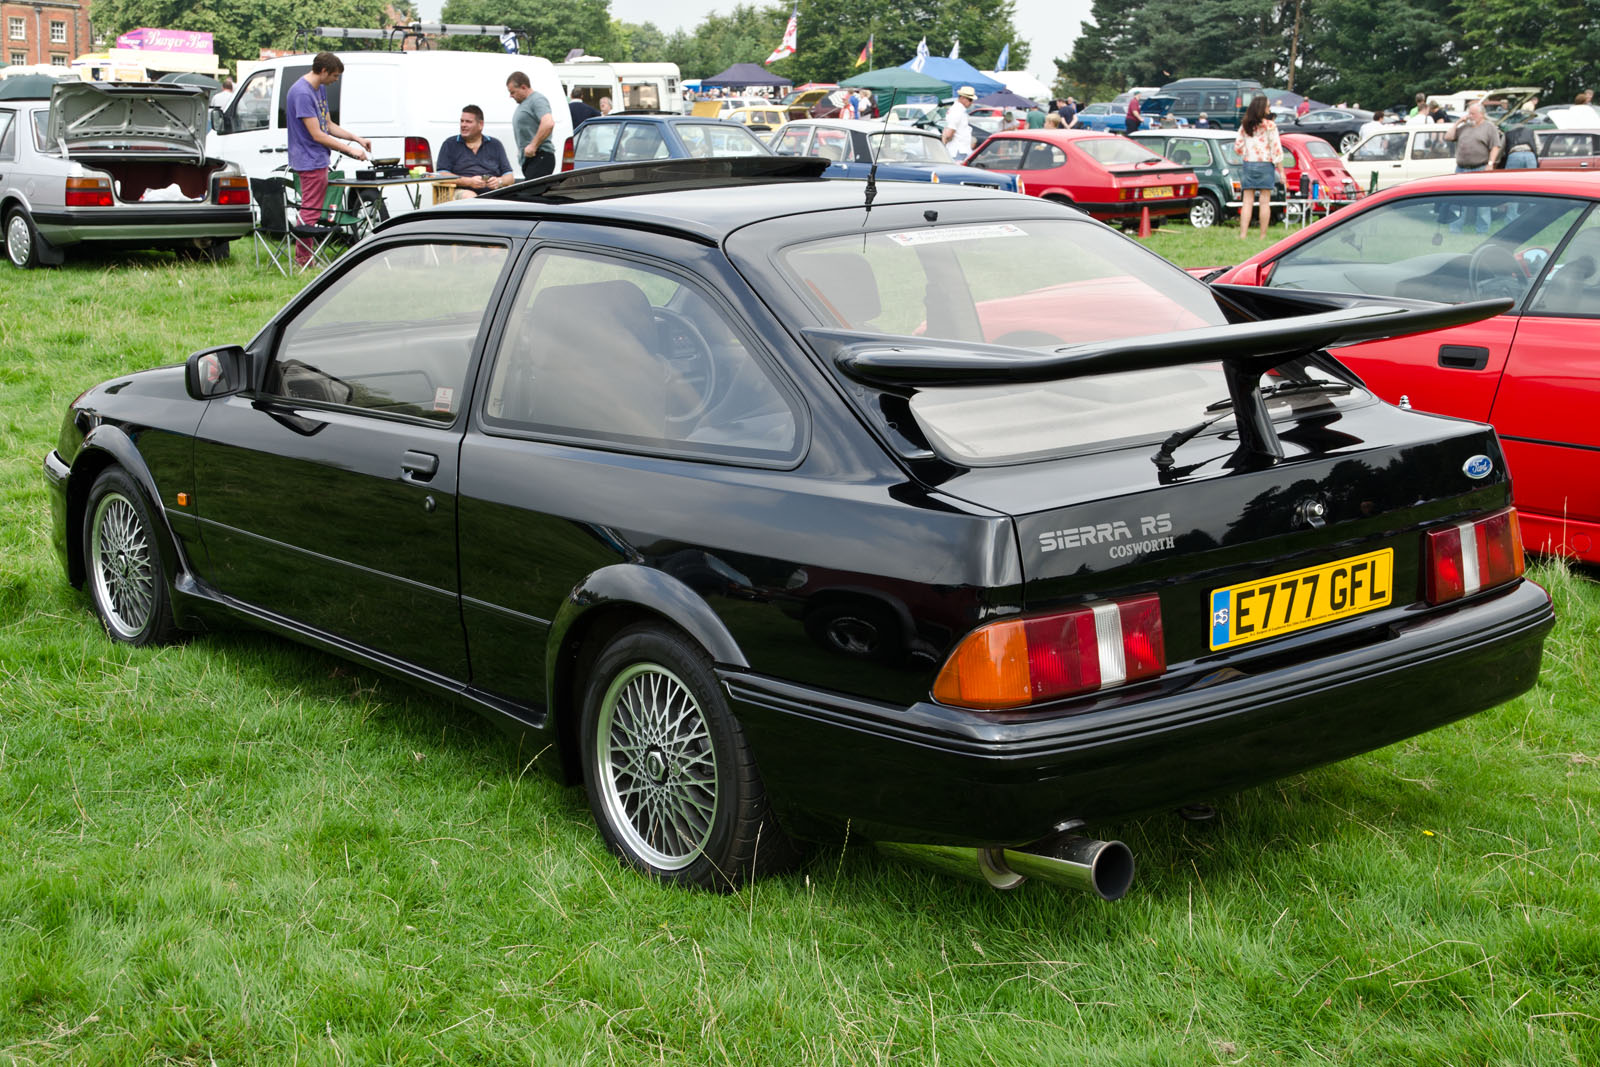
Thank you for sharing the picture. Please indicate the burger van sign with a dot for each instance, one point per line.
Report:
(146, 39)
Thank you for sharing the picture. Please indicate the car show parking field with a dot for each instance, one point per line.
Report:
(240, 850)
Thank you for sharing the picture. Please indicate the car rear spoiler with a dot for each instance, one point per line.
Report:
(1246, 350)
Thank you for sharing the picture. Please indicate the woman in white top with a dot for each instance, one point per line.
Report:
(1258, 143)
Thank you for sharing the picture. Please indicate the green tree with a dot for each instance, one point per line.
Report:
(240, 28)
(552, 29)
(1419, 52)
(1511, 42)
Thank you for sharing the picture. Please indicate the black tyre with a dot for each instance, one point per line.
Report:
(126, 579)
(22, 240)
(670, 779)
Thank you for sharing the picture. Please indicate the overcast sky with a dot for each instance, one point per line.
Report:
(1048, 25)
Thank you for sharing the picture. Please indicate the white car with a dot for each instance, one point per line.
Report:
(1401, 153)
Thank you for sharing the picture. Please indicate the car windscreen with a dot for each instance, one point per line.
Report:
(1039, 284)
(1114, 150)
(898, 147)
(718, 139)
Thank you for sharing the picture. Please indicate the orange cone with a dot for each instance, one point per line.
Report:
(1144, 222)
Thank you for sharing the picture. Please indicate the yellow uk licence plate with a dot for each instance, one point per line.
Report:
(1284, 603)
(1156, 192)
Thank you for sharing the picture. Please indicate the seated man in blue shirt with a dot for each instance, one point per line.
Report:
(477, 160)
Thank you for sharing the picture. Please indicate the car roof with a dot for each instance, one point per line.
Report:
(656, 116)
(1059, 136)
(1553, 182)
(707, 211)
(1188, 131)
(864, 125)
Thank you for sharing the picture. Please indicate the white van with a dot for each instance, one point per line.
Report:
(406, 103)
(631, 86)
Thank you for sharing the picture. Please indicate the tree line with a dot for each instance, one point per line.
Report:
(1372, 52)
(831, 32)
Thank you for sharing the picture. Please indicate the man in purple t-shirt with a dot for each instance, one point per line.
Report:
(311, 134)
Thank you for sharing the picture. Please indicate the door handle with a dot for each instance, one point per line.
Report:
(264, 151)
(1463, 357)
(420, 465)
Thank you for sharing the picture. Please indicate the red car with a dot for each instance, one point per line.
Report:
(1317, 164)
(1110, 177)
(1528, 236)
(1569, 149)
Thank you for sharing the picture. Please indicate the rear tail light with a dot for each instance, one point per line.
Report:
(418, 154)
(567, 155)
(1021, 187)
(1028, 661)
(1472, 556)
(232, 192)
(89, 192)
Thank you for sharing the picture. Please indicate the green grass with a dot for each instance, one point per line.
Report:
(235, 850)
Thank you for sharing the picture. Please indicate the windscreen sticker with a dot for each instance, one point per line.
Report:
(957, 233)
(444, 399)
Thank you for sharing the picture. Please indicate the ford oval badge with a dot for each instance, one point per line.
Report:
(1477, 467)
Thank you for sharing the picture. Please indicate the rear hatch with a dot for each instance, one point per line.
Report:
(125, 119)
(1347, 504)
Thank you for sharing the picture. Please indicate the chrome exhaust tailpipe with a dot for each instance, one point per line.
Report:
(1104, 868)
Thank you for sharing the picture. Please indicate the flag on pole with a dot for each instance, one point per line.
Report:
(955, 48)
(1005, 57)
(786, 47)
(866, 53)
(508, 41)
(922, 56)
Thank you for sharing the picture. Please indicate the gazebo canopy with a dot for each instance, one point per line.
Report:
(895, 85)
(744, 75)
(957, 72)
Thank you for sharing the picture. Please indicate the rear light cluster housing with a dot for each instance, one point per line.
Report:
(1030, 660)
(418, 154)
(89, 192)
(1469, 557)
(232, 192)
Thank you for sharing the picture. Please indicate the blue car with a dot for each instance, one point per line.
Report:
(904, 153)
(632, 137)
(1114, 116)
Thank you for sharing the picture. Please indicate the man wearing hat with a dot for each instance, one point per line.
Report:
(957, 127)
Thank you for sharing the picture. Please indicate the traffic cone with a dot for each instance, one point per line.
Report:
(1144, 222)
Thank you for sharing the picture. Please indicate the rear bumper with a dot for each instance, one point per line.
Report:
(1130, 209)
(930, 773)
(69, 226)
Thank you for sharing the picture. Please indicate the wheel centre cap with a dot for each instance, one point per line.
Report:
(655, 765)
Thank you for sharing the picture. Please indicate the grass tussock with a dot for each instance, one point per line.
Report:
(237, 851)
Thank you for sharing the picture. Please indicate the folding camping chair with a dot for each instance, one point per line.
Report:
(279, 229)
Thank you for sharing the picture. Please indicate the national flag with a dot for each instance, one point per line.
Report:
(955, 48)
(866, 53)
(1005, 57)
(508, 41)
(922, 56)
(786, 47)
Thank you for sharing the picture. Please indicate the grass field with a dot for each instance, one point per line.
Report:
(238, 851)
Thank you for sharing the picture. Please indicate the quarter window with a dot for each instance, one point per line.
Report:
(1044, 157)
(622, 353)
(793, 141)
(1432, 145)
(596, 141)
(8, 135)
(641, 140)
(1573, 285)
(1002, 153)
(393, 334)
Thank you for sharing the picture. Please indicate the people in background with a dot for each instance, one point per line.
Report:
(1371, 126)
(605, 105)
(477, 161)
(1257, 142)
(957, 126)
(532, 125)
(312, 134)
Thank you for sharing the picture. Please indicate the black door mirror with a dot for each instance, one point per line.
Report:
(219, 120)
(213, 372)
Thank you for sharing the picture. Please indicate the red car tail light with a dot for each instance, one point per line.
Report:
(89, 192)
(1028, 661)
(567, 155)
(418, 154)
(232, 192)
(1469, 557)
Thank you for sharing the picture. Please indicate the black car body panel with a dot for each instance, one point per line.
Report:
(828, 575)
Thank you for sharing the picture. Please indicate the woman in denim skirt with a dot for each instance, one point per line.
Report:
(1258, 144)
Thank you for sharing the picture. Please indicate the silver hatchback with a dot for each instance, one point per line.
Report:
(116, 165)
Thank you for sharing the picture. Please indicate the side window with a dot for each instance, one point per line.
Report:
(1380, 149)
(1188, 152)
(595, 142)
(1573, 285)
(832, 144)
(793, 141)
(393, 334)
(1450, 248)
(621, 353)
(252, 104)
(8, 135)
(1431, 144)
(1044, 157)
(1219, 102)
(641, 140)
(1002, 153)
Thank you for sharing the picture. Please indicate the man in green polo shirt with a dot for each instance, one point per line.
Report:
(532, 125)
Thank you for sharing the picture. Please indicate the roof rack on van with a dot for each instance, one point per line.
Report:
(659, 176)
(420, 32)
